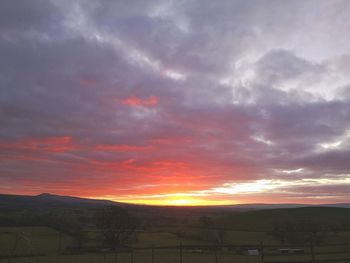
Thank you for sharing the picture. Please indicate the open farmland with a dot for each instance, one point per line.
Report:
(176, 240)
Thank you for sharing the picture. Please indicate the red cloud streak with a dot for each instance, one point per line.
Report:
(136, 101)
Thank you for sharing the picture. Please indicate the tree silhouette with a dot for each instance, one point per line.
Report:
(117, 226)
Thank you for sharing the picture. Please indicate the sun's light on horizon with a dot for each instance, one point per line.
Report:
(169, 201)
(231, 193)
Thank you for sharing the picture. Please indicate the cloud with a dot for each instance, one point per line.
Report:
(34, 16)
(109, 96)
(136, 101)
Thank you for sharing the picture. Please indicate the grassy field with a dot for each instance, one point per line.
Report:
(170, 227)
(249, 220)
(44, 243)
(31, 240)
(170, 257)
(139, 257)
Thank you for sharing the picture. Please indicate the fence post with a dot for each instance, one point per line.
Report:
(216, 256)
(152, 253)
(180, 252)
(132, 256)
(313, 253)
(59, 249)
(262, 251)
(104, 257)
(14, 247)
(116, 257)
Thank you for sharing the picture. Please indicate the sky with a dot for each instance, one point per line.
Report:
(174, 102)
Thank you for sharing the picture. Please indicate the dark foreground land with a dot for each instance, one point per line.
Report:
(50, 228)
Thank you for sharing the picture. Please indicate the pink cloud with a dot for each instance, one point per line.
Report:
(122, 148)
(45, 145)
(136, 101)
(86, 81)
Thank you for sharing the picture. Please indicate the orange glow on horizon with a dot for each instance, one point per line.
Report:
(177, 200)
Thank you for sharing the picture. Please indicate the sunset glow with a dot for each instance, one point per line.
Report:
(176, 102)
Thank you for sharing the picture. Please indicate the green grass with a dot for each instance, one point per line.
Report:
(241, 229)
(45, 242)
(265, 220)
(31, 240)
(139, 257)
(168, 257)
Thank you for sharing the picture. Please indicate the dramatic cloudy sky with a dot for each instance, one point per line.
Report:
(176, 102)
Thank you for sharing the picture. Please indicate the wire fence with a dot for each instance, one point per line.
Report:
(254, 253)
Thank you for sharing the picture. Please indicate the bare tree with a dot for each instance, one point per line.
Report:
(117, 226)
(79, 237)
(301, 232)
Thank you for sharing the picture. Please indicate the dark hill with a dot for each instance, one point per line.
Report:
(15, 202)
(266, 219)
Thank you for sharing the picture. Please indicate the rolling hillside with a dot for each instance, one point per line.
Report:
(265, 219)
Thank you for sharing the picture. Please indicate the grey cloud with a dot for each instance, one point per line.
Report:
(63, 81)
(281, 65)
(331, 162)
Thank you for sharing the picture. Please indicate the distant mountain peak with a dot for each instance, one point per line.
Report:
(44, 194)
